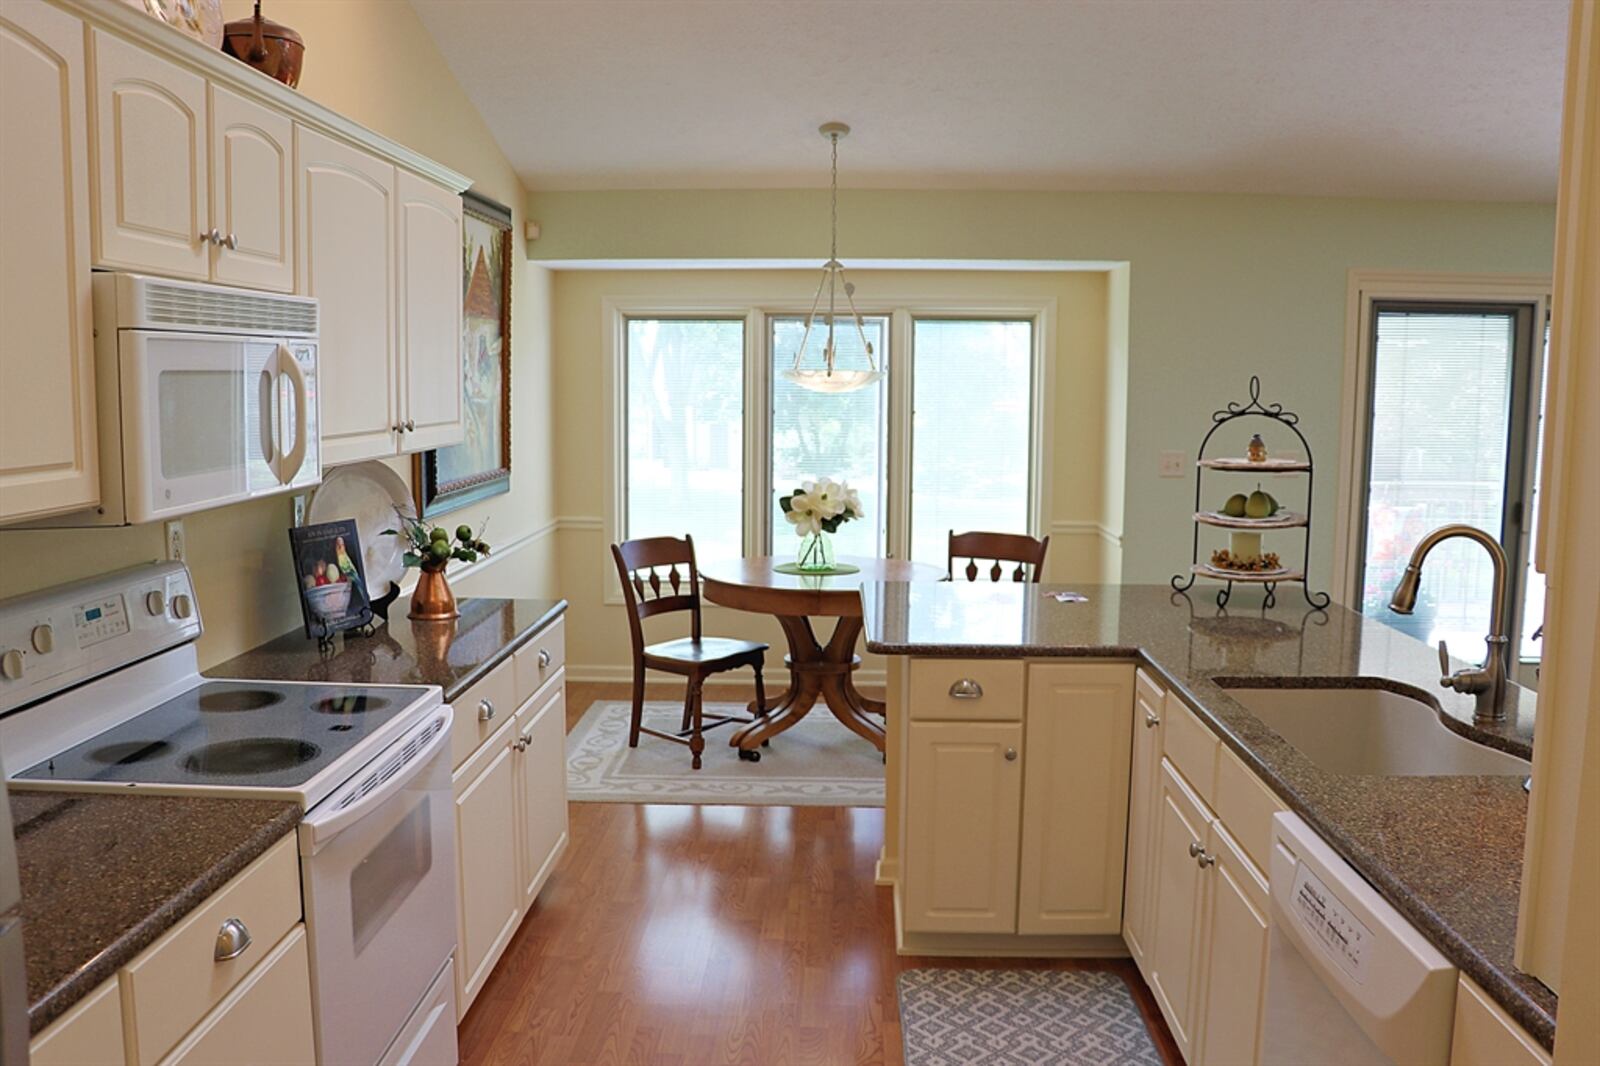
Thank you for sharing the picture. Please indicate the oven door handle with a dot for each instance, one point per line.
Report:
(329, 819)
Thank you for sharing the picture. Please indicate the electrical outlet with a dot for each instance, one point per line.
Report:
(177, 547)
(1171, 464)
(299, 510)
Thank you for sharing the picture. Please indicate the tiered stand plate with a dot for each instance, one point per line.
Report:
(1283, 520)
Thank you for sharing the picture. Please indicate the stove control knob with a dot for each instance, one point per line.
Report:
(44, 639)
(182, 606)
(156, 602)
(11, 665)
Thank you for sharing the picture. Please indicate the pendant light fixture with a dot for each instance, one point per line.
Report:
(830, 377)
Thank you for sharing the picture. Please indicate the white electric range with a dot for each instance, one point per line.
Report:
(100, 690)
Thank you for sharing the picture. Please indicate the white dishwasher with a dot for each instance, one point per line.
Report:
(1349, 981)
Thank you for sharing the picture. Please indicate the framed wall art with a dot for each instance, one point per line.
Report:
(480, 466)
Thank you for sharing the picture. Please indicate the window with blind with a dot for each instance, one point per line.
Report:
(970, 430)
(1445, 445)
(684, 431)
(843, 436)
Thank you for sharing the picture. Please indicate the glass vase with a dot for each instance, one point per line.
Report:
(816, 552)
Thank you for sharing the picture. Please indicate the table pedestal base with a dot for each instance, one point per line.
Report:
(817, 670)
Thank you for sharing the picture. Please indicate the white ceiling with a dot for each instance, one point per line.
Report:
(1451, 99)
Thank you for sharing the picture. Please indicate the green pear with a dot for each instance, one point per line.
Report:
(1272, 501)
(1234, 508)
(1259, 505)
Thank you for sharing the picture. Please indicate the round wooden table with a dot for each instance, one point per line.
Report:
(816, 670)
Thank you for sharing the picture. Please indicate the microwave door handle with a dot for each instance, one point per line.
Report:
(323, 826)
(267, 389)
(295, 457)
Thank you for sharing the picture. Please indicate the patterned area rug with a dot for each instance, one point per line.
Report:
(818, 763)
(1022, 1017)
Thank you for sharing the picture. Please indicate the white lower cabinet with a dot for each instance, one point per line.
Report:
(90, 1034)
(1142, 796)
(1180, 826)
(1485, 1035)
(1233, 968)
(511, 808)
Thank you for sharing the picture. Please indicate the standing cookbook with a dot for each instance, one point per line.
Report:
(333, 585)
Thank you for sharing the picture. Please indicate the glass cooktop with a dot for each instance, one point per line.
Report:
(239, 733)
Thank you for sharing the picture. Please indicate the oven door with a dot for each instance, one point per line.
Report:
(378, 866)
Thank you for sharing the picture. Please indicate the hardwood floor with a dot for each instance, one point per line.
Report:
(693, 936)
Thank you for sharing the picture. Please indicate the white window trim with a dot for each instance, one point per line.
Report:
(1363, 289)
(901, 310)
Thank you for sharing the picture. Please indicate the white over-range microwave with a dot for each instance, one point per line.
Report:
(205, 395)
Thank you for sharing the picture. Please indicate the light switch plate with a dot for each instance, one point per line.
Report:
(1171, 464)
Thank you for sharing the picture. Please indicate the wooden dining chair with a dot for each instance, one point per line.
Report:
(649, 592)
(1016, 548)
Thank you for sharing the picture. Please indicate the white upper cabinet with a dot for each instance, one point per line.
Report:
(347, 261)
(48, 458)
(252, 193)
(151, 187)
(430, 280)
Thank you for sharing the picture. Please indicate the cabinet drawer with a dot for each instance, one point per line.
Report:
(538, 660)
(266, 1019)
(172, 985)
(482, 709)
(967, 690)
(1191, 746)
(90, 1034)
(1246, 807)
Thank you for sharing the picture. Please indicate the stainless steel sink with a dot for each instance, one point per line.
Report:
(1372, 732)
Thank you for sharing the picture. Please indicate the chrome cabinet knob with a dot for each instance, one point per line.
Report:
(1205, 858)
(523, 742)
(411, 425)
(544, 658)
(966, 689)
(212, 236)
(1151, 719)
(1195, 849)
(1011, 755)
(233, 937)
(485, 710)
(230, 242)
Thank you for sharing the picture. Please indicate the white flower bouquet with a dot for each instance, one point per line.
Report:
(817, 509)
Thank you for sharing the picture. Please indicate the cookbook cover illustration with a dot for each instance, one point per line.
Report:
(333, 588)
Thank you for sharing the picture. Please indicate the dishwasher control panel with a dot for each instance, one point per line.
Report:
(1332, 926)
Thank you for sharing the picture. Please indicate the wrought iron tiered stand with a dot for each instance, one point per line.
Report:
(1284, 520)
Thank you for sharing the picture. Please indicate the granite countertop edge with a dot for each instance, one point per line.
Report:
(454, 690)
(104, 965)
(1534, 1016)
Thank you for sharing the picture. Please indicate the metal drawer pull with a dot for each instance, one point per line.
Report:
(1195, 849)
(544, 658)
(230, 242)
(1151, 720)
(1205, 858)
(966, 689)
(523, 742)
(485, 710)
(233, 937)
(1011, 755)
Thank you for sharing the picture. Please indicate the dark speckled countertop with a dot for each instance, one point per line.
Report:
(1445, 851)
(404, 652)
(104, 875)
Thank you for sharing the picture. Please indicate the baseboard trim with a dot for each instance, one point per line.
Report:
(776, 678)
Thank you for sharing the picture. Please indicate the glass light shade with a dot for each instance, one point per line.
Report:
(825, 380)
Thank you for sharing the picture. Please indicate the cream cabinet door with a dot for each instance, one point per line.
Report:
(490, 896)
(1234, 957)
(541, 788)
(1075, 798)
(252, 193)
(346, 260)
(265, 1019)
(49, 462)
(428, 226)
(1173, 951)
(90, 1034)
(151, 174)
(1142, 799)
(963, 815)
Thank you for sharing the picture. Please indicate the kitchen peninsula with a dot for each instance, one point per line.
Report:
(992, 853)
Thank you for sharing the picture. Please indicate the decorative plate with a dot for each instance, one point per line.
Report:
(200, 19)
(369, 493)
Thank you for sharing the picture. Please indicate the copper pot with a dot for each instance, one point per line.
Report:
(432, 600)
(271, 48)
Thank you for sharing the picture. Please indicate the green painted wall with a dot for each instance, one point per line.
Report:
(1220, 287)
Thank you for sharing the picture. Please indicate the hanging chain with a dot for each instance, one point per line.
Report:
(833, 246)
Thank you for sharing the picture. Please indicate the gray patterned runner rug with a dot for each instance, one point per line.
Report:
(1021, 1017)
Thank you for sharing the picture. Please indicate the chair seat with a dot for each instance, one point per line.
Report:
(708, 652)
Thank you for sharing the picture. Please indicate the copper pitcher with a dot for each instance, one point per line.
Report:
(432, 600)
(272, 48)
